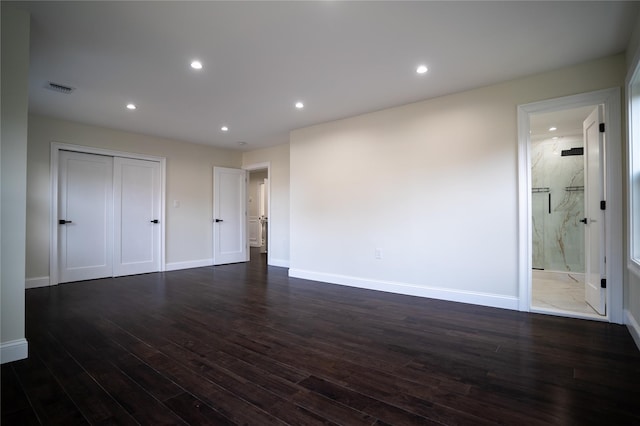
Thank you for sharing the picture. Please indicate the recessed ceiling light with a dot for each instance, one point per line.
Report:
(299, 105)
(555, 138)
(553, 129)
(242, 143)
(224, 128)
(422, 69)
(131, 106)
(196, 65)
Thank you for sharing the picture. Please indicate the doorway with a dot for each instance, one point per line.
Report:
(553, 222)
(258, 210)
(561, 237)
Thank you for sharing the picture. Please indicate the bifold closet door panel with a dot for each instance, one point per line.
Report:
(137, 193)
(85, 216)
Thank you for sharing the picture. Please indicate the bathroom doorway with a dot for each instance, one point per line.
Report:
(551, 244)
(558, 181)
(258, 212)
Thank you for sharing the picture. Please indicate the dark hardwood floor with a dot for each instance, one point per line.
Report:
(245, 344)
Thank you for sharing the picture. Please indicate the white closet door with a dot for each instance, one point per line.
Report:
(137, 193)
(85, 216)
(230, 243)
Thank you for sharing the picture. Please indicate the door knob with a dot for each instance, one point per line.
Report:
(155, 221)
(584, 220)
(64, 222)
(219, 220)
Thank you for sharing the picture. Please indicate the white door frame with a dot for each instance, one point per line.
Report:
(262, 166)
(56, 147)
(610, 98)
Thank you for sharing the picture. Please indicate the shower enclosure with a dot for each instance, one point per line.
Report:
(557, 172)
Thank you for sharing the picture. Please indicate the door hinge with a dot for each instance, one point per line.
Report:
(603, 205)
(603, 283)
(601, 127)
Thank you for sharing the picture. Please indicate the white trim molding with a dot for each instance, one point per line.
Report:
(610, 98)
(37, 282)
(461, 296)
(633, 267)
(633, 164)
(189, 264)
(633, 326)
(282, 263)
(13, 350)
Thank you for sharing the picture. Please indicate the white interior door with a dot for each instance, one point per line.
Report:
(85, 215)
(264, 215)
(263, 208)
(595, 295)
(261, 215)
(230, 243)
(137, 193)
(254, 231)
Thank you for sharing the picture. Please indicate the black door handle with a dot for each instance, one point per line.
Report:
(584, 220)
(63, 222)
(219, 220)
(155, 221)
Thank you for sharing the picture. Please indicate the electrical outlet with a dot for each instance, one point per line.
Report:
(378, 253)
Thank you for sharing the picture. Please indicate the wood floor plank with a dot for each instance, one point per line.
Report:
(246, 344)
(374, 407)
(331, 410)
(139, 403)
(92, 400)
(48, 399)
(195, 412)
(15, 404)
(227, 405)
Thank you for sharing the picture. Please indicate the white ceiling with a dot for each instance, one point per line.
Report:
(340, 58)
(567, 122)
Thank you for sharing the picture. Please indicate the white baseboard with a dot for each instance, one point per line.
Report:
(175, 266)
(633, 326)
(462, 296)
(13, 350)
(37, 282)
(283, 263)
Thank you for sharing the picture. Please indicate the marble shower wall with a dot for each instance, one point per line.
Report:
(558, 234)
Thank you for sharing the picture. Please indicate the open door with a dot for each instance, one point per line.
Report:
(230, 244)
(595, 281)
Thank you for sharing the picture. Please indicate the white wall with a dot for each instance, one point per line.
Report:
(189, 181)
(432, 184)
(278, 157)
(13, 153)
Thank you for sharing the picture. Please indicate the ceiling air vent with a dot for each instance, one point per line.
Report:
(59, 88)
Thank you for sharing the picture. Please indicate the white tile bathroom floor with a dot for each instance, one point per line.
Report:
(562, 295)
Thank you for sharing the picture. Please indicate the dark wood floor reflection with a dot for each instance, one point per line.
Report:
(245, 344)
